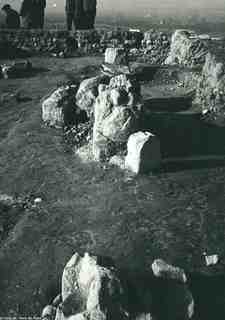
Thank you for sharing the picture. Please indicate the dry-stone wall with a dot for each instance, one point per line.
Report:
(155, 45)
(62, 44)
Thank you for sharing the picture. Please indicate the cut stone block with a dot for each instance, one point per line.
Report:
(143, 152)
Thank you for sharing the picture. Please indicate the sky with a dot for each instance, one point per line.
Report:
(141, 7)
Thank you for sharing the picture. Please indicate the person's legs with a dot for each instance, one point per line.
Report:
(90, 19)
(69, 21)
(26, 22)
(42, 18)
(78, 22)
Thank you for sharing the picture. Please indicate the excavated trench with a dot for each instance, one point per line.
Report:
(171, 115)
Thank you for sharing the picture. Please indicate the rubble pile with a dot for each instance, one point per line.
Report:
(94, 288)
(155, 46)
(186, 49)
(210, 90)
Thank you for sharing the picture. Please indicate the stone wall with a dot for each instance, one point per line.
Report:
(62, 44)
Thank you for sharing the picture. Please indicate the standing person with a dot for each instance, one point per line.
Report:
(74, 13)
(39, 8)
(32, 13)
(12, 17)
(26, 13)
(89, 7)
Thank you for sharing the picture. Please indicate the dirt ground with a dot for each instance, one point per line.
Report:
(176, 214)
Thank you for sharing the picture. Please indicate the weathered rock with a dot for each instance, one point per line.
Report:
(118, 161)
(119, 124)
(186, 49)
(210, 90)
(91, 284)
(57, 300)
(59, 314)
(115, 56)
(48, 312)
(162, 269)
(60, 107)
(116, 116)
(87, 93)
(143, 152)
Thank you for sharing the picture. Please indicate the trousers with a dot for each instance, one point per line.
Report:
(73, 20)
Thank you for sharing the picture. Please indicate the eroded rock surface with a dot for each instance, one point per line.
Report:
(91, 289)
(116, 115)
(186, 49)
(210, 92)
(61, 104)
(87, 93)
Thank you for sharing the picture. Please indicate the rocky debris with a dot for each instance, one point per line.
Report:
(78, 135)
(57, 300)
(155, 46)
(210, 91)
(87, 93)
(63, 44)
(94, 288)
(143, 152)
(115, 56)
(211, 260)
(153, 49)
(164, 270)
(60, 107)
(17, 69)
(48, 313)
(186, 49)
(90, 286)
(116, 115)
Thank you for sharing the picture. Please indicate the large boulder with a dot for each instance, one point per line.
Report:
(60, 106)
(91, 286)
(186, 49)
(116, 115)
(210, 90)
(143, 152)
(87, 93)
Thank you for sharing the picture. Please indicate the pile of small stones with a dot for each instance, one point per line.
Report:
(63, 44)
